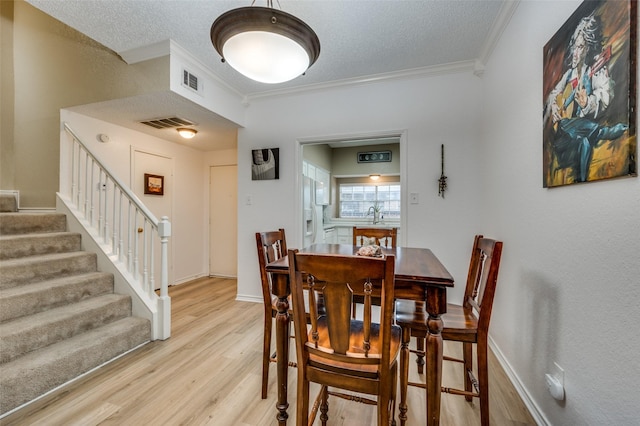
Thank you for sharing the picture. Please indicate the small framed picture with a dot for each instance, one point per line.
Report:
(153, 184)
(265, 164)
(374, 157)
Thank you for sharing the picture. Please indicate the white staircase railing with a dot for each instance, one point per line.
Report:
(128, 233)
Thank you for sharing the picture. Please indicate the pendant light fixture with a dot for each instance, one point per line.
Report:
(265, 44)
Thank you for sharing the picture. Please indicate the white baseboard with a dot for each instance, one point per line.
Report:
(247, 298)
(233, 277)
(533, 408)
(188, 279)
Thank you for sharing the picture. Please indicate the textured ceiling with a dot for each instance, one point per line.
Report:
(360, 39)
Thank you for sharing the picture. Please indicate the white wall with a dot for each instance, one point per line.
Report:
(190, 229)
(569, 283)
(435, 110)
(570, 275)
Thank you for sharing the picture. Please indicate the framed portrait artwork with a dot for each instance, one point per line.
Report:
(265, 164)
(589, 95)
(153, 184)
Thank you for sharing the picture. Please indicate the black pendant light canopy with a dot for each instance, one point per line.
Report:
(265, 44)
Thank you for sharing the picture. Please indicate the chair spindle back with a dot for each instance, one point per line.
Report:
(383, 237)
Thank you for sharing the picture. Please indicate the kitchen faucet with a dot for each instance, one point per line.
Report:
(375, 211)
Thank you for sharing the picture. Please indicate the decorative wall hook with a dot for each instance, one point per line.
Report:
(442, 182)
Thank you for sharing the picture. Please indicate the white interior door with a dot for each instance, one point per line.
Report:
(223, 220)
(159, 205)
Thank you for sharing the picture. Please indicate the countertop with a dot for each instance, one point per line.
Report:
(363, 223)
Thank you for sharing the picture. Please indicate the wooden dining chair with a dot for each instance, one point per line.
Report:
(272, 245)
(383, 237)
(338, 352)
(467, 323)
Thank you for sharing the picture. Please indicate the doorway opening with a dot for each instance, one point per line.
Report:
(327, 164)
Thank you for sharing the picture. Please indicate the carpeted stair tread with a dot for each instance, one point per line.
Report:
(26, 334)
(31, 269)
(32, 298)
(23, 223)
(59, 316)
(20, 245)
(34, 374)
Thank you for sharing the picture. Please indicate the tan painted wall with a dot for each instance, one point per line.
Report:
(320, 155)
(344, 162)
(55, 67)
(6, 94)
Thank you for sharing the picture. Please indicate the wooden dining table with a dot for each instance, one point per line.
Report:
(419, 275)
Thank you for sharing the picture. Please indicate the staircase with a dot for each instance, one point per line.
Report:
(59, 316)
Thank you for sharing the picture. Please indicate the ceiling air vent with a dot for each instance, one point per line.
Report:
(191, 81)
(167, 123)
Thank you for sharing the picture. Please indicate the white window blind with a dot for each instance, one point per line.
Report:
(356, 200)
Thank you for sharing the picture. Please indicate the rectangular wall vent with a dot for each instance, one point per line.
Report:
(191, 81)
(166, 123)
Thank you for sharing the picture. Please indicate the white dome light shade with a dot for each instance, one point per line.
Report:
(187, 132)
(266, 57)
(265, 44)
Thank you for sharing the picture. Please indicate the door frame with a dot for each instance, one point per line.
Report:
(346, 138)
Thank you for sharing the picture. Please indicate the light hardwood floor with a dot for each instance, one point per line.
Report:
(208, 373)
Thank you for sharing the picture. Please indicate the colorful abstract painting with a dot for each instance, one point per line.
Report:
(589, 89)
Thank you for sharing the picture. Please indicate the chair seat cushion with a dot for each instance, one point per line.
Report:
(356, 348)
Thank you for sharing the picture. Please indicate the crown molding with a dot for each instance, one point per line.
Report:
(454, 67)
(176, 49)
(170, 47)
(497, 28)
(476, 66)
(144, 53)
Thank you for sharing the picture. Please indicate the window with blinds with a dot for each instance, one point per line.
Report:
(358, 200)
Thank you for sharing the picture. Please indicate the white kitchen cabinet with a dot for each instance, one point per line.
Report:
(330, 235)
(322, 182)
(344, 234)
(323, 190)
